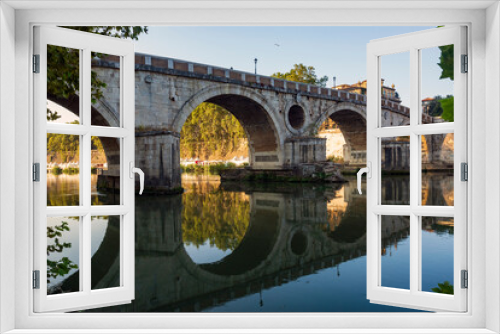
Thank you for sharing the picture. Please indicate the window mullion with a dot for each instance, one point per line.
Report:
(86, 254)
(414, 171)
(86, 93)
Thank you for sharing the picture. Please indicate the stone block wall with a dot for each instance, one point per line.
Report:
(304, 150)
(158, 155)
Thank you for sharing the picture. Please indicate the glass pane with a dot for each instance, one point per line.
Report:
(63, 170)
(105, 161)
(63, 84)
(105, 90)
(437, 84)
(437, 169)
(437, 254)
(63, 255)
(105, 250)
(395, 168)
(395, 252)
(395, 89)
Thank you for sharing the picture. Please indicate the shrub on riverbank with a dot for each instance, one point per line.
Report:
(56, 171)
(71, 171)
(212, 169)
(335, 159)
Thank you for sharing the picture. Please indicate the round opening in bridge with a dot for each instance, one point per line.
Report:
(299, 243)
(296, 117)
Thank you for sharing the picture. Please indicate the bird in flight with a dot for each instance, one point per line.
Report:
(276, 44)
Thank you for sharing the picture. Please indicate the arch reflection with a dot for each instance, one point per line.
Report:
(271, 234)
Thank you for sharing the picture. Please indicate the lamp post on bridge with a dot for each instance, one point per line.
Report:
(255, 60)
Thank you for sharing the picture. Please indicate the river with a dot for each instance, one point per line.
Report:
(238, 247)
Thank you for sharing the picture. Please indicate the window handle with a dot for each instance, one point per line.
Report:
(135, 170)
(368, 172)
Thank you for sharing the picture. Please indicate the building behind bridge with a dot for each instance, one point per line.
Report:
(388, 93)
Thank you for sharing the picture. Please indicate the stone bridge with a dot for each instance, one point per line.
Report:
(280, 118)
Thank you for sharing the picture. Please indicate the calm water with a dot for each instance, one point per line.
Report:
(257, 247)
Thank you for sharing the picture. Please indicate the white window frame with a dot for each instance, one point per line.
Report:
(484, 48)
(413, 44)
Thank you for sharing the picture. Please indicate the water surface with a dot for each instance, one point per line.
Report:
(274, 247)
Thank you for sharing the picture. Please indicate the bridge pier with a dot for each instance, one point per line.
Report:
(157, 153)
(304, 150)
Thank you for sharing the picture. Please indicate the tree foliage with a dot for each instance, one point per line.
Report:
(448, 109)
(68, 146)
(216, 216)
(209, 129)
(60, 267)
(63, 65)
(444, 287)
(302, 73)
(446, 62)
(442, 107)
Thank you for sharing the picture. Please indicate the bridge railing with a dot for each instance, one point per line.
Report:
(180, 67)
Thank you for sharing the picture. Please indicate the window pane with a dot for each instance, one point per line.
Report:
(437, 84)
(437, 254)
(63, 84)
(63, 255)
(395, 89)
(105, 251)
(106, 90)
(105, 160)
(395, 252)
(63, 170)
(437, 169)
(395, 168)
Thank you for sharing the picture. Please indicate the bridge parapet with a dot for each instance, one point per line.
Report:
(178, 67)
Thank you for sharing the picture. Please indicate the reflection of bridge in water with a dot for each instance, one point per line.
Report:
(289, 236)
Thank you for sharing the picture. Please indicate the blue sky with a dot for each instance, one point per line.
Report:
(333, 51)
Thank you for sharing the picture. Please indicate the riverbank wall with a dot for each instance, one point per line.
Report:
(306, 172)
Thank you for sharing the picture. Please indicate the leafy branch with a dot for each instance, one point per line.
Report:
(63, 66)
(444, 287)
(63, 266)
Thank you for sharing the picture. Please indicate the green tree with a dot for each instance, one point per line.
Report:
(63, 66)
(302, 73)
(446, 62)
(210, 130)
(447, 105)
(435, 108)
(62, 266)
(445, 288)
(219, 217)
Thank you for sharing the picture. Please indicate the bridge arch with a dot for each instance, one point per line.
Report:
(256, 115)
(351, 120)
(103, 113)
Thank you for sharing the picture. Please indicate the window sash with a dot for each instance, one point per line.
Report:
(413, 298)
(86, 298)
